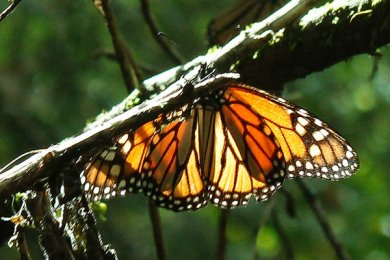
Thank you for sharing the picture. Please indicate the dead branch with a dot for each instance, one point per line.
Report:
(319, 214)
(291, 51)
(9, 9)
(131, 74)
(158, 36)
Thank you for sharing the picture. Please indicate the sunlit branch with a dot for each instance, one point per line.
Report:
(9, 9)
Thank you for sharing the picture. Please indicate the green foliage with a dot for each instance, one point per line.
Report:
(51, 84)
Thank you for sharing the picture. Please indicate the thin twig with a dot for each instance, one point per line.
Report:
(264, 217)
(130, 72)
(9, 9)
(157, 233)
(79, 218)
(109, 55)
(172, 53)
(222, 227)
(282, 234)
(318, 212)
(290, 203)
(22, 244)
(94, 246)
(53, 242)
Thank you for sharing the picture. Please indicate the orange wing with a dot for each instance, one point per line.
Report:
(310, 147)
(162, 160)
(240, 155)
(173, 178)
(117, 169)
(232, 144)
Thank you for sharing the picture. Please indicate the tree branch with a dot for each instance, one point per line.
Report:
(52, 241)
(172, 53)
(325, 36)
(157, 232)
(294, 50)
(286, 243)
(222, 227)
(9, 9)
(318, 212)
(131, 74)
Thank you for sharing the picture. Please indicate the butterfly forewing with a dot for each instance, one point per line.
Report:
(310, 147)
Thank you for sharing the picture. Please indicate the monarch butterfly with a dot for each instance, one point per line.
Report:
(235, 142)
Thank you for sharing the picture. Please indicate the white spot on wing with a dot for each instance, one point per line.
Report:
(291, 168)
(303, 121)
(126, 147)
(318, 122)
(123, 139)
(314, 150)
(318, 136)
(324, 132)
(96, 190)
(300, 129)
(349, 154)
(309, 166)
(345, 163)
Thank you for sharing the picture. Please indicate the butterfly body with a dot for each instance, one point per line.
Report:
(223, 148)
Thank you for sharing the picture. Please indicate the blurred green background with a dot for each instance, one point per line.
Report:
(51, 84)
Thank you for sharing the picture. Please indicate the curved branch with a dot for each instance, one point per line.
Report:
(282, 235)
(9, 9)
(294, 50)
(174, 55)
(131, 74)
(325, 36)
(315, 207)
(281, 57)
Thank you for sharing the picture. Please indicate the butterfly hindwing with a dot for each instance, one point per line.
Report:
(244, 158)
(173, 178)
(117, 168)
